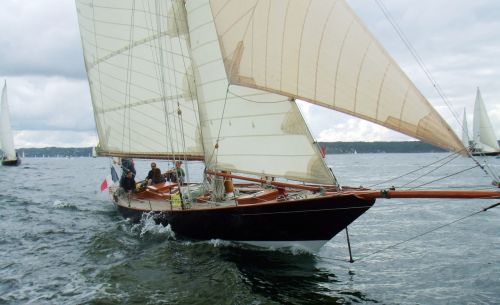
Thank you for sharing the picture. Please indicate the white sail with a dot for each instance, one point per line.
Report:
(484, 136)
(465, 132)
(139, 71)
(247, 130)
(319, 51)
(6, 138)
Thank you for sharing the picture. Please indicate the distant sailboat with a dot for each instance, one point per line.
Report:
(484, 140)
(94, 153)
(10, 157)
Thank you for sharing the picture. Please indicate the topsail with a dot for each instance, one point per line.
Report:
(319, 51)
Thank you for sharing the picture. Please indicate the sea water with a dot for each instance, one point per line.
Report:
(62, 242)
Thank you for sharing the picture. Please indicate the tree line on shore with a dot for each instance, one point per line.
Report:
(329, 147)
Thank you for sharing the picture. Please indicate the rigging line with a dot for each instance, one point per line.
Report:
(156, 53)
(413, 171)
(442, 178)
(430, 231)
(257, 102)
(128, 80)
(216, 147)
(168, 130)
(186, 75)
(419, 60)
(97, 118)
(432, 170)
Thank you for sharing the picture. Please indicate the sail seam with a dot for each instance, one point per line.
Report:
(301, 42)
(361, 66)
(335, 80)
(330, 13)
(283, 44)
(382, 83)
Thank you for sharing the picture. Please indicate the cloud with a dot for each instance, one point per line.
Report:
(57, 138)
(49, 103)
(40, 38)
(459, 45)
(41, 58)
(330, 126)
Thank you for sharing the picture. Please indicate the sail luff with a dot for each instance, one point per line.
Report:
(6, 137)
(322, 53)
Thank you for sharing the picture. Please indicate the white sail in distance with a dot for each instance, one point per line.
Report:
(484, 136)
(6, 137)
(140, 76)
(247, 130)
(465, 131)
(320, 51)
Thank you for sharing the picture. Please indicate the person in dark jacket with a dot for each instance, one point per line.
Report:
(154, 175)
(128, 165)
(127, 182)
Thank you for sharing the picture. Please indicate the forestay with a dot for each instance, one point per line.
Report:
(137, 60)
(247, 130)
(319, 51)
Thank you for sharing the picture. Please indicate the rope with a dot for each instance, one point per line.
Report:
(429, 231)
(427, 173)
(419, 60)
(220, 128)
(413, 171)
(257, 102)
(442, 178)
(129, 80)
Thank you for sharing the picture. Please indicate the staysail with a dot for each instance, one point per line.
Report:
(319, 51)
(247, 130)
(139, 70)
(484, 136)
(7, 140)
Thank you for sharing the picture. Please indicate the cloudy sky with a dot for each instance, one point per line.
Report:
(41, 59)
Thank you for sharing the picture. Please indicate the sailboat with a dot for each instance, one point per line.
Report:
(10, 157)
(217, 81)
(484, 141)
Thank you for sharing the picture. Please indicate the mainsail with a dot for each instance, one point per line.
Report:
(6, 138)
(140, 76)
(484, 136)
(319, 51)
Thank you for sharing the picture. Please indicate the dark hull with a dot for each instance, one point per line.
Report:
(300, 220)
(490, 154)
(11, 162)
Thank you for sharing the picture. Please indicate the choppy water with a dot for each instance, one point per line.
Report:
(62, 242)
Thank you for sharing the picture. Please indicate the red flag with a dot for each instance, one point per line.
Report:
(323, 151)
(104, 185)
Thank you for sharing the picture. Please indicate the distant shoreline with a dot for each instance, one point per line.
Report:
(330, 148)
